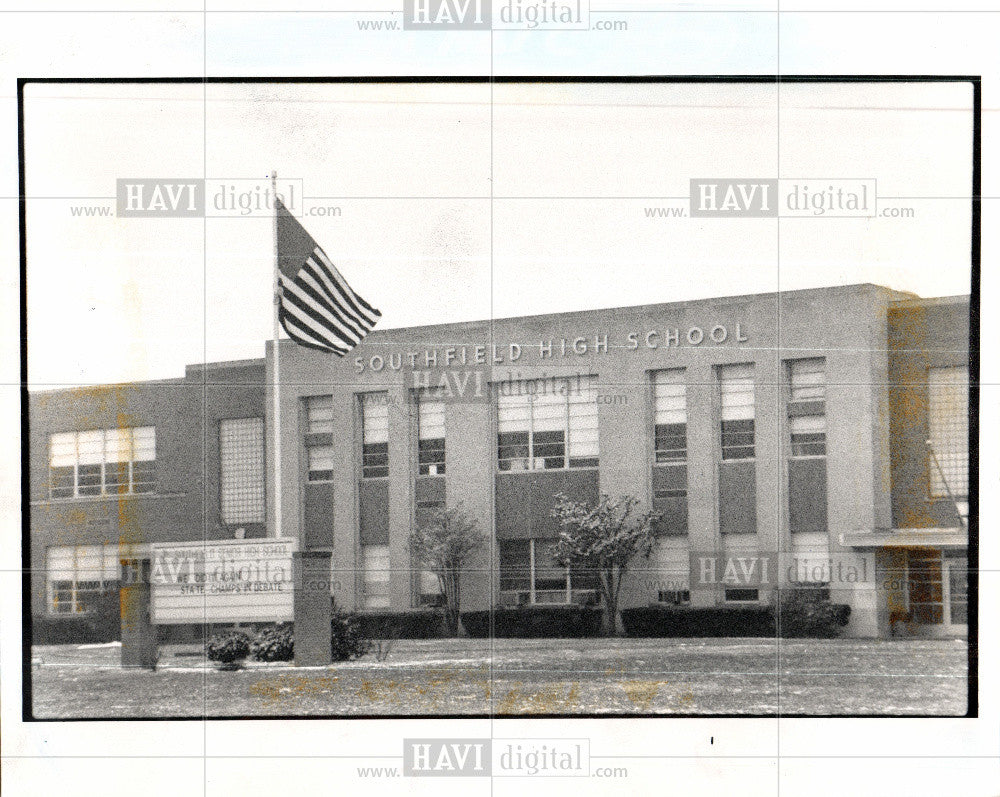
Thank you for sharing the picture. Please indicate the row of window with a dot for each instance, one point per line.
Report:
(102, 462)
(553, 423)
(80, 577)
(552, 428)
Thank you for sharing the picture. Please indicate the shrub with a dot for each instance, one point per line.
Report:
(537, 621)
(102, 623)
(228, 648)
(414, 624)
(347, 640)
(274, 644)
(683, 621)
(806, 612)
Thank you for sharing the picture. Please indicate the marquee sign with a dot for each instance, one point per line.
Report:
(224, 581)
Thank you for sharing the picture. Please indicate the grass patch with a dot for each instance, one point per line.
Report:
(523, 677)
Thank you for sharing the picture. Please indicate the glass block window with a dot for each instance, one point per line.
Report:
(736, 401)
(241, 447)
(430, 436)
(100, 462)
(375, 576)
(545, 424)
(375, 435)
(670, 411)
(319, 438)
(948, 422)
(78, 575)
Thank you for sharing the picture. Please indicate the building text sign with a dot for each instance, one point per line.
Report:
(219, 582)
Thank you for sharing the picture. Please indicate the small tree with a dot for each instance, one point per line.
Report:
(603, 538)
(441, 543)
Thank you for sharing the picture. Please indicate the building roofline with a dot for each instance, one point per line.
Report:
(174, 380)
(220, 364)
(681, 303)
(962, 298)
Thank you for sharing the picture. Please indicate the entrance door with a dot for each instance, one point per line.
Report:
(937, 590)
(956, 573)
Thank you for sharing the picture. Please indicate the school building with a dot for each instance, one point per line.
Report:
(814, 436)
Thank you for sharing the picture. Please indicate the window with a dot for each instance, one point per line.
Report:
(958, 591)
(241, 452)
(429, 589)
(375, 435)
(669, 570)
(529, 574)
(430, 436)
(428, 586)
(78, 575)
(547, 423)
(670, 409)
(376, 576)
(807, 407)
(737, 411)
(948, 419)
(319, 438)
(925, 587)
(741, 595)
(102, 462)
(677, 597)
(670, 445)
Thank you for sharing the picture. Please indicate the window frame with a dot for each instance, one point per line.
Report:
(946, 492)
(436, 599)
(366, 596)
(374, 463)
(566, 442)
(676, 377)
(791, 401)
(727, 599)
(437, 455)
(76, 606)
(104, 487)
(533, 590)
(261, 516)
(721, 378)
(314, 430)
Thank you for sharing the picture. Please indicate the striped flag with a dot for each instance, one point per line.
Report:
(317, 308)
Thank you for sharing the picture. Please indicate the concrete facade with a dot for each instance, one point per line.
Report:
(870, 340)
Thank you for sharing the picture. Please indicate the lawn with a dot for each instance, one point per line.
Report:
(522, 677)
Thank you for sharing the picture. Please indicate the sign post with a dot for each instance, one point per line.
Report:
(138, 632)
(313, 608)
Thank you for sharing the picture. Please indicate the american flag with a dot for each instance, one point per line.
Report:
(317, 308)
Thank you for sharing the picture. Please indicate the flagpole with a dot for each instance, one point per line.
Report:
(277, 367)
